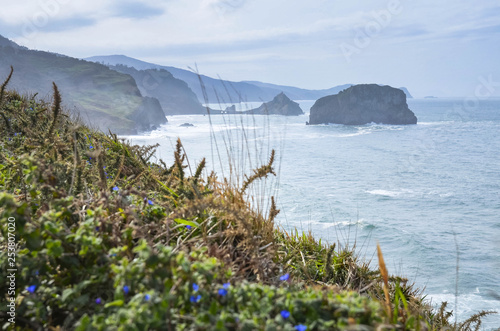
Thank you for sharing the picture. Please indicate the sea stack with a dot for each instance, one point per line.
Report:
(280, 105)
(363, 104)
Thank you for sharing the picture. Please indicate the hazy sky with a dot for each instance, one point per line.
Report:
(444, 48)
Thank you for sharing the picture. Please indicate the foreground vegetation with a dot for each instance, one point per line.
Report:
(109, 240)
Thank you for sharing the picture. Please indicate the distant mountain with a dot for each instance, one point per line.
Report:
(296, 93)
(220, 90)
(175, 96)
(217, 91)
(104, 98)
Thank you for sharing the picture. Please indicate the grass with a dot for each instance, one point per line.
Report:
(109, 240)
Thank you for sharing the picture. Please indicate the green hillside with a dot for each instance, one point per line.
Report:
(108, 240)
(104, 98)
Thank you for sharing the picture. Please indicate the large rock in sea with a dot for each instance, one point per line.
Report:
(280, 105)
(363, 104)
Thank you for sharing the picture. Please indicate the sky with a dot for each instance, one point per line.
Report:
(449, 48)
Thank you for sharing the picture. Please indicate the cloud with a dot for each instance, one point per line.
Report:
(270, 35)
(70, 23)
(136, 10)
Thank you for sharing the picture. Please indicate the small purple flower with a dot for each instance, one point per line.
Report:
(195, 287)
(222, 292)
(90, 147)
(301, 327)
(195, 299)
(226, 285)
(104, 167)
(147, 297)
(115, 188)
(98, 301)
(188, 227)
(15, 134)
(150, 202)
(285, 314)
(113, 255)
(37, 273)
(97, 228)
(285, 277)
(126, 289)
(31, 288)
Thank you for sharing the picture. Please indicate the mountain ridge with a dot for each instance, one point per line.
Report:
(102, 97)
(223, 91)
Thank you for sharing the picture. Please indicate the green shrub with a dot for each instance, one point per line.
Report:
(108, 240)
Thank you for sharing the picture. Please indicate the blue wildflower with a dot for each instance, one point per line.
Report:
(188, 227)
(104, 167)
(126, 289)
(90, 147)
(115, 188)
(15, 134)
(222, 292)
(285, 314)
(147, 297)
(195, 287)
(285, 277)
(37, 273)
(150, 202)
(98, 301)
(97, 228)
(113, 255)
(195, 299)
(31, 288)
(301, 327)
(226, 285)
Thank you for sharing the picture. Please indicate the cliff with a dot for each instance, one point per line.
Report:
(363, 104)
(174, 95)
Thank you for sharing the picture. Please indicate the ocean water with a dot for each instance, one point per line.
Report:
(428, 193)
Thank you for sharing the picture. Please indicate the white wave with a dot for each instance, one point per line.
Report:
(330, 225)
(387, 193)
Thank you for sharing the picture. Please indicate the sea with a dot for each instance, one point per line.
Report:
(429, 193)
